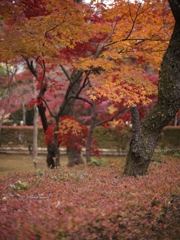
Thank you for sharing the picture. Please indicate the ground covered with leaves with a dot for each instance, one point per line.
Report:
(92, 202)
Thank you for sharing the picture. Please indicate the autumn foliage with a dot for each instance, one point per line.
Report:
(101, 42)
(112, 46)
(71, 134)
(111, 52)
(91, 203)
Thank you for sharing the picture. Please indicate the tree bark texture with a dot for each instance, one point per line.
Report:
(146, 133)
(74, 156)
(53, 153)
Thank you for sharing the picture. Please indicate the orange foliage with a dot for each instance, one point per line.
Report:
(115, 44)
(71, 134)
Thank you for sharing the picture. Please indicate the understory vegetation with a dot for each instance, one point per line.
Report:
(94, 201)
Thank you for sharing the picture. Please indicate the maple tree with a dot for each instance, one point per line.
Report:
(146, 133)
(97, 51)
(40, 5)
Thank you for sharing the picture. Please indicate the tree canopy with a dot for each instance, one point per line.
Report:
(112, 48)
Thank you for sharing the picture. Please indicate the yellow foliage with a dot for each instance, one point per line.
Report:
(68, 125)
(127, 85)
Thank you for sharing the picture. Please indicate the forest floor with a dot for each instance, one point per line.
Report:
(92, 201)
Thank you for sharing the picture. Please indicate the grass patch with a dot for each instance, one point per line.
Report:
(11, 163)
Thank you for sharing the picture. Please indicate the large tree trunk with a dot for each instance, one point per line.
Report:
(74, 156)
(146, 133)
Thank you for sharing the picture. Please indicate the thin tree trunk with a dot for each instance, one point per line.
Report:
(3, 115)
(53, 155)
(24, 111)
(35, 136)
(146, 133)
(35, 125)
(90, 133)
(176, 120)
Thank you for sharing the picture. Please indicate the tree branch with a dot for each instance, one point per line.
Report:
(112, 118)
(52, 115)
(65, 73)
(30, 65)
(102, 45)
(67, 98)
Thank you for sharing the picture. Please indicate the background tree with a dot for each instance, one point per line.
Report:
(16, 91)
(41, 5)
(6, 90)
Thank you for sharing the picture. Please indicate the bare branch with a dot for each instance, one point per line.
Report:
(30, 65)
(47, 107)
(112, 118)
(102, 45)
(133, 20)
(57, 25)
(67, 98)
(85, 83)
(65, 73)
